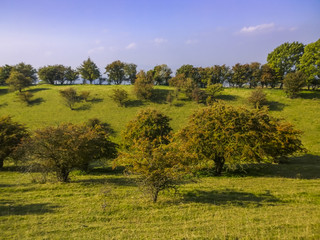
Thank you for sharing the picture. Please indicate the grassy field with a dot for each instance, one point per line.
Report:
(267, 202)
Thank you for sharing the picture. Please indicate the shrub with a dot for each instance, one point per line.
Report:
(257, 98)
(293, 83)
(148, 124)
(143, 86)
(120, 97)
(70, 97)
(25, 97)
(84, 95)
(11, 134)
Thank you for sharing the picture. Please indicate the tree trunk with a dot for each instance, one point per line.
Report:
(1, 163)
(219, 163)
(155, 196)
(63, 175)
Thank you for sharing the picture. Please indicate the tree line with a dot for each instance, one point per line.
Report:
(286, 58)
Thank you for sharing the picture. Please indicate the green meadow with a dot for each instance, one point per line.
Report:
(262, 201)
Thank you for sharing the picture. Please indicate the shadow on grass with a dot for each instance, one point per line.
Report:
(310, 95)
(4, 91)
(3, 105)
(8, 208)
(303, 167)
(120, 181)
(36, 101)
(134, 103)
(34, 90)
(275, 106)
(160, 96)
(229, 197)
(83, 107)
(95, 100)
(227, 97)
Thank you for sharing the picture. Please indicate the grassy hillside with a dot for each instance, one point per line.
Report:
(266, 202)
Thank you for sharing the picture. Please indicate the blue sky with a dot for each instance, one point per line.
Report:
(148, 33)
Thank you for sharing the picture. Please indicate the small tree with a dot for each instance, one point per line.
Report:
(66, 147)
(257, 98)
(293, 83)
(158, 167)
(120, 97)
(84, 95)
(222, 134)
(25, 97)
(89, 70)
(18, 81)
(148, 124)
(213, 91)
(143, 86)
(70, 97)
(11, 134)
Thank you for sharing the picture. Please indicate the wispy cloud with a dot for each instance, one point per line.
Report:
(159, 41)
(131, 46)
(191, 41)
(258, 28)
(96, 50)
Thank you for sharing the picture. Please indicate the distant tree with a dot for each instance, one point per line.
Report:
(18, 81)
(158, 167)
(254, 74)
(64, 148)
(115, 71)
(71, 75)
(143, 86)
(4, 73)
(240, 74)
(293, 83)
(161, 74)
(285, 59)
(257, 98)
(268, 76)
(190, 71)
(130, 71)
(53, 73)
(221, 74)
(11, 134)
(149, 124)
(27, 70)
(89, 70)
(222, 134)
(310, 64)
(120, 97)
(70, 97)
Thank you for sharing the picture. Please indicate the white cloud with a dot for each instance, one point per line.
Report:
(131, 46)
(191, 41)
(258, 28)
(159, 41)
(96, 50)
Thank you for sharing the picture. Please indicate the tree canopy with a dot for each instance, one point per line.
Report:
(89, 70)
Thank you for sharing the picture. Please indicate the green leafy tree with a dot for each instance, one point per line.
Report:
(254, 74)
(149, 124)
(157, 167)
(120, 97)
(190, 71)
(66, 147)
(213, 91)
(53, 73)
(70, 75)
(310, 64)
(143, 86)
(268, 76)
(70, 97)
(161, 74)
(222, 134)
(130, 71)
(11, 135)
(4, 73)
(89, 70)
(285, 59)
(18, 81)
(27, 70)
(293, 83)
(115, 71)
(240, 76)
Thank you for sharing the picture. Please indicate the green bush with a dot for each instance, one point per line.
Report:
(257, 98)
(293, 83)
(120, 97)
